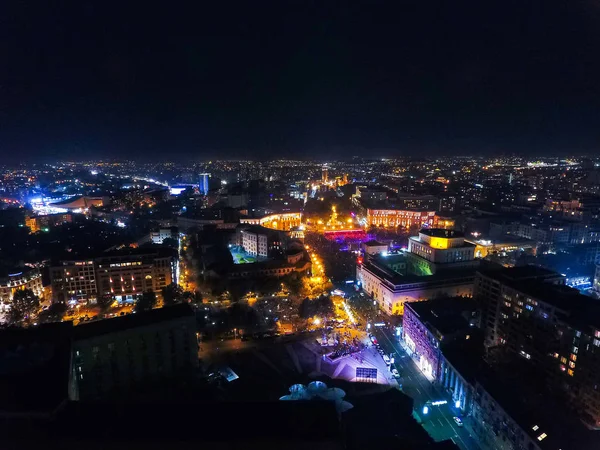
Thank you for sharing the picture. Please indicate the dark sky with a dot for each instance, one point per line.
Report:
(309, 78)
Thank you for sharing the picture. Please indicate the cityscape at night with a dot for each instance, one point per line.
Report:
(290, 225)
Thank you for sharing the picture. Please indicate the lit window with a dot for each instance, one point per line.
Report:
(542, 436)
(571, 372)
(535, 428)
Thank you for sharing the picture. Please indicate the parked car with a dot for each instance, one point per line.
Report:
(458, 421)
(395, 373)
(386, 359)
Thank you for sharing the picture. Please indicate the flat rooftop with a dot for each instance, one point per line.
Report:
(92, 329)
(444, 314)
(442, 233)
(378, 269)
(580, 309)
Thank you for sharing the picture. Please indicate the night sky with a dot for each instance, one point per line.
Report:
(305, 78)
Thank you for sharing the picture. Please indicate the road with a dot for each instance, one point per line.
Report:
(439, 422)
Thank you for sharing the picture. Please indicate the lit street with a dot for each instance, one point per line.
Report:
(439, 421)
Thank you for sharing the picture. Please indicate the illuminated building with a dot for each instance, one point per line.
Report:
(45, 222)
(277, 221)
(436, 249)
(530, 315)
(157, 237)
(74, 281)
(126, 274)
(122, 275)
(82, 203)
(429, 325)
(373, 247)
(259, 241)
(399, 218)
(445, 223)
(597, 278)
(12, 281)
(203, 185)
(324, 175)
(113, 354)
(506, 243)
(391, 290)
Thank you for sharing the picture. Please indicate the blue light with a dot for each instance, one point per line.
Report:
(425, 410)
(457, 404)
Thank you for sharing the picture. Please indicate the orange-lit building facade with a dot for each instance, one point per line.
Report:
(12, 282)
(38, 223)
(282, 221)
(399, 218)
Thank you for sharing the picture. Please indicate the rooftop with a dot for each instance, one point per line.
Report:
(535, 411)
(444, 315)
(377, 266)
(92, 329)
(441, 233)
(580, 309)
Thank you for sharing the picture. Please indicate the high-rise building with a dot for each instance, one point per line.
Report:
(325, 175)
(114, 354)
(531, 316)
(204, 177)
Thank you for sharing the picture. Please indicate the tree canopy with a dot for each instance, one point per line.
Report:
(24, 306)
(146, 302)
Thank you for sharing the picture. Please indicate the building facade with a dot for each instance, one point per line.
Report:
(117, 354)
(122, 275)
(282, 221)
(74, 281)
(552, 327)
(392, 218)
(40, 223)
(438, 249)
(19, 279)
(392, 290)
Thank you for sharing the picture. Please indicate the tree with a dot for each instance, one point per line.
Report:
(146, 302)
(24, 305)
(54, 313)
(172, 294)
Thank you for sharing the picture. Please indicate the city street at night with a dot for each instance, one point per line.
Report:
(439, 421)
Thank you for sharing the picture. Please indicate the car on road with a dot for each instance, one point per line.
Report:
(458, 421)
(386, 359)
(374, 340)
(395, 373)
